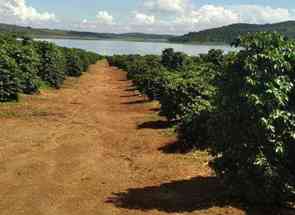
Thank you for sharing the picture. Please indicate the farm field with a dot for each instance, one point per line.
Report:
(102, 149)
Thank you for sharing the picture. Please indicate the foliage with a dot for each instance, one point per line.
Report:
(146, 74)
(28, 62)
(239, 106)
(123, 61)
(52, 65)
(187, 92)
(253, 132)
(182, 91)
(8, 78)
(173, 60)
(214, 56)
(78, 60)
(25, 65)
(74, 63)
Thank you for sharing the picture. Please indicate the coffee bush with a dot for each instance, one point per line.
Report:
(8, 78)
(52, 64)
(28, 62)
(74, 64)
(252, 135)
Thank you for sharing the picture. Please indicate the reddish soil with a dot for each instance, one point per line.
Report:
(96, 147)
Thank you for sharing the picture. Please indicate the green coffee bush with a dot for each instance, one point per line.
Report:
(74, 64)
(52, 64)
(28, 62)
(8, 78)
(174, 60)
(239, 106)
(252, 133)
(26, 65)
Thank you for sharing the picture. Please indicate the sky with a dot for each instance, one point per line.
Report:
(147, 16)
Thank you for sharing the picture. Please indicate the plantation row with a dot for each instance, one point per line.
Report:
(239, 106)
(27, 65)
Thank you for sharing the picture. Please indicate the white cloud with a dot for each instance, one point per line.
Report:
(166, 5)
(180, 16)
(208, 16)
(18, 11)
(86, 24)
(103, 17)
(187, 18)
(143, 19)
(263, 14)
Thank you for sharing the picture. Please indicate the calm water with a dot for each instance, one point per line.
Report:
(111, 47)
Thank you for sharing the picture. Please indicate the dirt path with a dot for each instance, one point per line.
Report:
(97, 148)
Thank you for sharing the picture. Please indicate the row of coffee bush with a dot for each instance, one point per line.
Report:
(27, 65)
(239, 106)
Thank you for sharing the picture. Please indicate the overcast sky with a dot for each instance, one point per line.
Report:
(149, 16)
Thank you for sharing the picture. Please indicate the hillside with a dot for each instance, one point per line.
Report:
(227, 34)
(55, 33)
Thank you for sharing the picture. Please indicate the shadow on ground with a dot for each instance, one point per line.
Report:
(135, 102)
(199, 193)
(175, 147)
(159, 124)
(129, 96)
(131, 89)
(177, 196)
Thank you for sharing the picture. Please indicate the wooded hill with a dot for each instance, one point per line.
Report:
(227, 34)
(56, 33)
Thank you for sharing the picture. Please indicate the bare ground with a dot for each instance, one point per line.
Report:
(96, 147)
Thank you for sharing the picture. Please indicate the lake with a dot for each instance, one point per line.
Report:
(111, 47)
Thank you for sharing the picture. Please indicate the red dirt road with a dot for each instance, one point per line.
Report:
(95, 147)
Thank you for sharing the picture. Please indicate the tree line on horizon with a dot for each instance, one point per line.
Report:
(21, 31)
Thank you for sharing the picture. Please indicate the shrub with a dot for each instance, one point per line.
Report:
(27, 61)
(193, 130)
(145, 73)
(74, 64)
(8, 77)
(84, 59)
(174, 60)
(78, 60)
(253, 132)
(26, 65)
(52, 64)
(214, 56)
(240, 106)
(123, 61)
(187, 92)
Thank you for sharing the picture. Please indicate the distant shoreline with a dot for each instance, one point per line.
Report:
(224, 35)
(132, 40)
